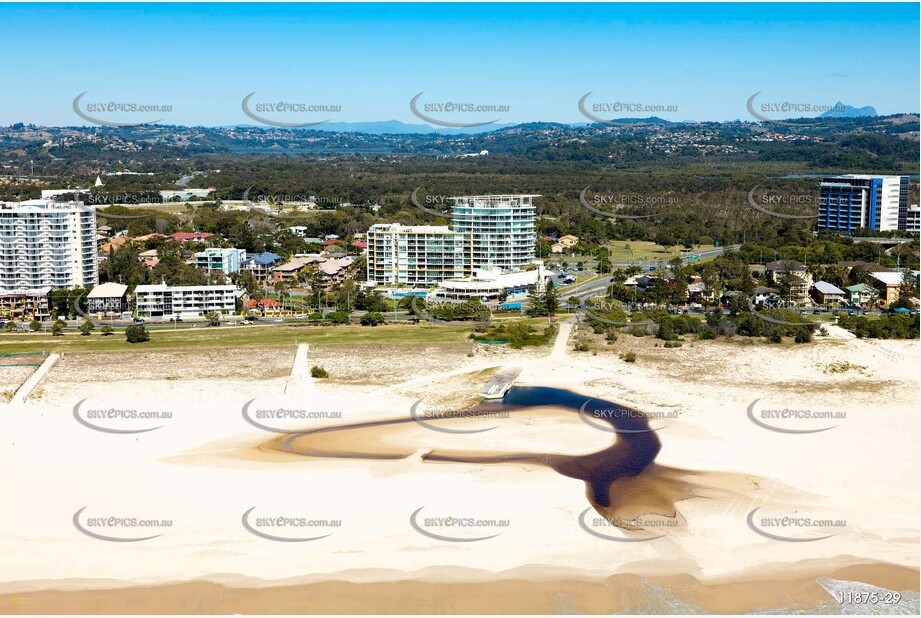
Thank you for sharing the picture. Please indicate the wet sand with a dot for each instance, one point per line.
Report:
(520, 592)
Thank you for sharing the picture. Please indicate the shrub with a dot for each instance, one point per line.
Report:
(628, 357)
(10, 326)
(775, 337)
(338, 317)
(57, 329)
(372, 318)
(87, 327)
(106, 330)
(672, 344)
(136, 333)
(803, 335)
(582, 345)
(34, 325)
(318, 372)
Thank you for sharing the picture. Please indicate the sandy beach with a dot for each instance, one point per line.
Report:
(727, 519)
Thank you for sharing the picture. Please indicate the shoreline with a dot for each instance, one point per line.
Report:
(441, 590)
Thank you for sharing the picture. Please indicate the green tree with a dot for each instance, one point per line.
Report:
(87, 327)
(372, 318)
(34, 325)
(136, 333)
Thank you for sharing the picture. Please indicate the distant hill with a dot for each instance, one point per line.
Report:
(841, 110)
(391, 127)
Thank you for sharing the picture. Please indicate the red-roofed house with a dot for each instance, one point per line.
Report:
(265, 305)
(187, 236)
(360, 245)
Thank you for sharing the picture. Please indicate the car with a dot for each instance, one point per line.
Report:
(278, 320)
(138, 320)
(816, 311)
(246, 322)
(214, 323)
(232, 323)
(175, 318)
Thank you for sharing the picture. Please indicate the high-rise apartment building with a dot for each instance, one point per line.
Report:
(47, 244)
(501, 229)
(417, 254)
(853, 201)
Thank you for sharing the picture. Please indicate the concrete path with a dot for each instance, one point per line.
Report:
(29, 385)
(562, 339)
(300, 378)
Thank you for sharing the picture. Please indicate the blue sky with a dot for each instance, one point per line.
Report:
(371, 59)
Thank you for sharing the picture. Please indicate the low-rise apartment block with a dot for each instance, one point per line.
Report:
(19, 304)
(162, 300)
(222, 260)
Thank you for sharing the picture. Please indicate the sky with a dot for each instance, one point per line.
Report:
(201, 60)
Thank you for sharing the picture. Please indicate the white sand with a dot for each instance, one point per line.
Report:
(865, 471)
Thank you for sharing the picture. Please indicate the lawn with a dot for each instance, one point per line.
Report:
(646, 251)
(239, 336)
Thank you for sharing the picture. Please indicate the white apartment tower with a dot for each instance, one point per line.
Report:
(47, 244)
(501, 228)
(417, 254)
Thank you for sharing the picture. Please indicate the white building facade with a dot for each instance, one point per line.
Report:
(47, 244)
(501, 229)
(853, 201)
(417, 255)
(162, 300)
(225, 260)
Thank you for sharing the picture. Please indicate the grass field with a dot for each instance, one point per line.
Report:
(646, 251)
(240, 336)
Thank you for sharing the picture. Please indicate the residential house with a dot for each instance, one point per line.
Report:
(824, 293)
(108, 299)
(861, 294)
(569, 241)
(261, 265)
(887, 284)
(795, 273)
(699, 293)
(184, 237)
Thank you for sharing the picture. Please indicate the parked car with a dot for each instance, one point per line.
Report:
(138, 320)
(175, 318)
